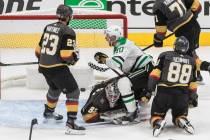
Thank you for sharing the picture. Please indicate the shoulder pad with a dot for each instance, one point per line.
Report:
(70, 31)
(157, 5)
(164, 54)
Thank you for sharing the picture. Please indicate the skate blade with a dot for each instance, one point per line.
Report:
(75, 132)
(200, 82)
(51, 120)
(157, 132)
(190, 130)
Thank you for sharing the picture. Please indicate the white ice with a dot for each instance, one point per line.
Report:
(21, 96)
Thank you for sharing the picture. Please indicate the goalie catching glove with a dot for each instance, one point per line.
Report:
(100, 57)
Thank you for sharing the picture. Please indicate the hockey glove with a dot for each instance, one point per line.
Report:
(158, 40)
(205, 66)
(74, 59)
(193, 100)
(145, 96)
(100, 57)
(196, 8)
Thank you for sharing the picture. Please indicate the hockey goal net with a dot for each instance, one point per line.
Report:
(24, 31)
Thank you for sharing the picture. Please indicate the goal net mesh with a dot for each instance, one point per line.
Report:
(24, 31)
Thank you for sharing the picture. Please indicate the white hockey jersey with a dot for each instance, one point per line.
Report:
(127, 57)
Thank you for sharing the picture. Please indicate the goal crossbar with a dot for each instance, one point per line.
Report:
(52, 17)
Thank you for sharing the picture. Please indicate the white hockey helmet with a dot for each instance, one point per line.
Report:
(114, 30)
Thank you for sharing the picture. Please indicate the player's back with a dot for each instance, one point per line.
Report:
(176, 12)
(51, 43)
(177, 70)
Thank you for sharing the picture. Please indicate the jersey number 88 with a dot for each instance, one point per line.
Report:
(180, 73)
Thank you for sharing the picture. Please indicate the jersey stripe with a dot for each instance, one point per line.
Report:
(119, 60)
(128, 99)
(142, 61)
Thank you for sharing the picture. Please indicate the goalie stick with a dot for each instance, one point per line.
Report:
(18, 64)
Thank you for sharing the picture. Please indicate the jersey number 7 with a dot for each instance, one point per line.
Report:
(178, 6)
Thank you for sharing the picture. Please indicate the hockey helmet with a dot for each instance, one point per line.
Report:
(181, 45)
(63, 12)
(114, 30)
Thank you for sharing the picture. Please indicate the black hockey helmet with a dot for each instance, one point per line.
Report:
(181, 45)
(63, 12)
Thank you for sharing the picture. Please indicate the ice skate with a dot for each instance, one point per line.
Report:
(158, 127)
(185, 124)
(49, 115)
(73, 129)
(129, 118)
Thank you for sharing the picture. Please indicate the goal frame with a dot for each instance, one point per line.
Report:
(53, 17)
(79, 17)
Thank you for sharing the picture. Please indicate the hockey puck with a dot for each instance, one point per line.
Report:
(82, 89)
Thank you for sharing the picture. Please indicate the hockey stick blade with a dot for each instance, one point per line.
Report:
(33, 122)
(98, 68)
(18, 64)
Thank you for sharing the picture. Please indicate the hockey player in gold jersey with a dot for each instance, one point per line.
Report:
(180, 17)
(56, 51)
(175, 79)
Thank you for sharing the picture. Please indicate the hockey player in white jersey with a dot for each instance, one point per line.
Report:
(132, 65)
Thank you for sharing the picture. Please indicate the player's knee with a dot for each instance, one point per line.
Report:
(124, 86)
(53, 93)
(73, 94)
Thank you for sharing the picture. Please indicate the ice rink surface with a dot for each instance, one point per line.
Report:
(20, 104)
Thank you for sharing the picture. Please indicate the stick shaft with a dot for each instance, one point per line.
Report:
(18, 64)
(153, 43)
(30, 134)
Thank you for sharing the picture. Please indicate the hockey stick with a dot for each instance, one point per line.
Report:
(33, 122)
(153, 43)
(96, 67)
(18, 64)
(101, 69)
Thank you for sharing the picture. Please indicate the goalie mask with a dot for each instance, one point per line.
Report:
(112, 93)
(181, 45)
(64, 12)
(113, 33)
